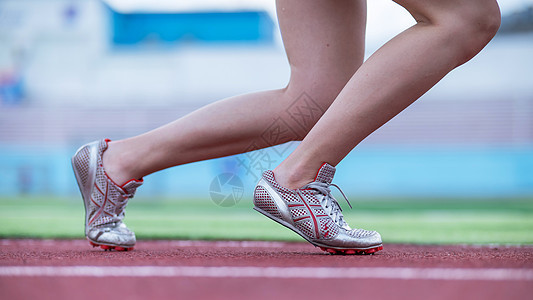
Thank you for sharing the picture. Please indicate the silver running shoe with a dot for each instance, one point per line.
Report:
(104, 200)
(313, 213)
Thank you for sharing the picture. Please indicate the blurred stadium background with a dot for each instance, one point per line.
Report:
(73, 71)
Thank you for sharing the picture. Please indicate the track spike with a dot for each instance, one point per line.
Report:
(110, 248)
(352, 251)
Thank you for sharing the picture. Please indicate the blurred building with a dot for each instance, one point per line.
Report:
(518, 21)
(76, 71)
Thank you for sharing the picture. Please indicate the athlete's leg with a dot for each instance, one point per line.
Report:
(324, 45)
(447, 34)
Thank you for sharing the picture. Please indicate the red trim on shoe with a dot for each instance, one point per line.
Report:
(121, 187)
(302, 218)
(92, 200)
(99, 190)
(132, 180)
(109, 248)
(102, 208)
(352, 251)
(312, 216)
(316, 176)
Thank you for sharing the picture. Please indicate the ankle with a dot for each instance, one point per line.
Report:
(114, 164)
(294, 177)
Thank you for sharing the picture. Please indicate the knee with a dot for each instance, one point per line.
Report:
(466, 26)
(472, 28)
(475, 29)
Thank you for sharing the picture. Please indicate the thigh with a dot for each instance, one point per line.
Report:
(324, 39)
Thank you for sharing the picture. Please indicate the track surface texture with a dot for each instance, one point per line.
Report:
(72, 269)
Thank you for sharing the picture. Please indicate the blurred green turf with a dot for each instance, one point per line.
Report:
(495, 221)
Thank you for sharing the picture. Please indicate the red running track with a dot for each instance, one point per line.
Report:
(71, 269)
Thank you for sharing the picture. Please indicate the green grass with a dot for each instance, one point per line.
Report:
(496, 221)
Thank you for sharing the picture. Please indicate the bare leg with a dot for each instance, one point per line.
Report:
(324, 45)
(447, 34)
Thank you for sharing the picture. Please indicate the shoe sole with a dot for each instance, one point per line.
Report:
(326, 248)
(109, 247)
(78, 181)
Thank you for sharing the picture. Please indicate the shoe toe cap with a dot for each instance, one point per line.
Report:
(351, 239)
(374, 239)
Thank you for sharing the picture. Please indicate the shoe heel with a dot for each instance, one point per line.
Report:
(264, 202)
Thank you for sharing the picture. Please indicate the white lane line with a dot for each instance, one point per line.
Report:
(492, 274)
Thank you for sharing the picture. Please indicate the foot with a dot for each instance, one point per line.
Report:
(103, 199)
(314, 214)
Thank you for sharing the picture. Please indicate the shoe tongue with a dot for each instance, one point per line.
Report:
(325, 174)
(132, 185)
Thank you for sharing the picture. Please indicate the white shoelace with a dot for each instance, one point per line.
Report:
(329, 203)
